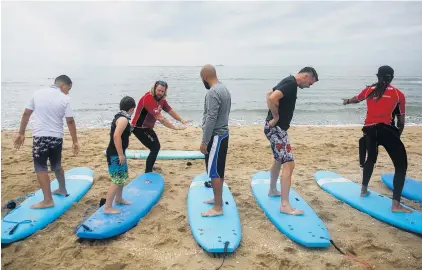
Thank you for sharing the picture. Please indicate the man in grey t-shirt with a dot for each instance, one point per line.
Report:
(215, 139)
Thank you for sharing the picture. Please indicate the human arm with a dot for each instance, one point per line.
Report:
(71, 125)
(356, 99)
(401, 113)
(352, 100)
(121, 124)
(177, 117)
(212, 105)
(400, 123)
(167, 123)
(153, 108)
(20, 138)
(273, 103)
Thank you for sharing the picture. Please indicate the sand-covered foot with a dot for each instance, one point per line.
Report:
(212, 201)
(111, 210)
(62, 192)
(212, 213)
(364, 193)
(397, 208)
(287, 209)
(122, 202)
(274, 193)
(43, 204)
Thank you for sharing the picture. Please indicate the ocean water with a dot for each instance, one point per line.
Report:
(97, 91)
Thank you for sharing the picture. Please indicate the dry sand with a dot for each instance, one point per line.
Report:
(163, 240)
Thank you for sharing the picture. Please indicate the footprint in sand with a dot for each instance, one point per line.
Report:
(326, 216)
(290, 250)
(165, 241)
(115, 266)
(345, 224)
(373, 247)
(182, 229)
(316, 201)
(179, 218)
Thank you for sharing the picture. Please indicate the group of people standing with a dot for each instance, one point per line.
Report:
(52, 105)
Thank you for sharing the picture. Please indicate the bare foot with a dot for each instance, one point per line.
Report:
(287, 209)
(398, 208)
(42, 205)
(274, 193)
(364, 192)
(111, 210)
(212, 213)
(62, 192)
(122, 202)
(210, 201)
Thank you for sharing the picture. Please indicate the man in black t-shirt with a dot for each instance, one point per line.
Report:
(281, 102)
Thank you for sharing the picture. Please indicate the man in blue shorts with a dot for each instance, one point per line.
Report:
(215, 139)
(281, 101)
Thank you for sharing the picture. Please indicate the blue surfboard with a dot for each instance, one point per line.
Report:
(211, 233)
(165, 154)
(412, 189)
(144, 192)
(375, 204)
(307, 229)
(78, 182)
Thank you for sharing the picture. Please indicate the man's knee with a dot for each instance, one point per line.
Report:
(288, 167)
(401, 170)
(58, 169)
(369, 162)
(372, 157)
(155, 148)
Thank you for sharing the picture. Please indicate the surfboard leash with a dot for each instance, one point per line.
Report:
(12, 231)
(13, 203)
(208, 184)
(85, 217)
(347, 255)
(226, 245)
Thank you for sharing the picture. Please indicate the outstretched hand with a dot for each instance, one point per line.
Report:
(346, 101)
(180, 127)
(186, 121)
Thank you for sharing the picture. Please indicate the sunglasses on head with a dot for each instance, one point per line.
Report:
(162, 83)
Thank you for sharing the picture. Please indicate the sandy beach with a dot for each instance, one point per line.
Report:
(163, 240)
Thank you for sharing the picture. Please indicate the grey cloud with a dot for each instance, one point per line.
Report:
(191, 33)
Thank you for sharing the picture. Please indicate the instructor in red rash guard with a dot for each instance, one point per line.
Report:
(384, 103)
(147, 112)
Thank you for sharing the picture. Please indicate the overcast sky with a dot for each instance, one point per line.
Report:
(194, 33)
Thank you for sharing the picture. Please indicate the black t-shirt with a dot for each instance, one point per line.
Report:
(111, 149)
(288, 86)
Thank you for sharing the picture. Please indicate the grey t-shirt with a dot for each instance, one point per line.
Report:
(216, 112)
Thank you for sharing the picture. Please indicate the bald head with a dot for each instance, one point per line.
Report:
(208, 75)
(208, 72)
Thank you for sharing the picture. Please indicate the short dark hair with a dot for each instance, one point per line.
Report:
(64, 79)
(310, 70)
(127, 103)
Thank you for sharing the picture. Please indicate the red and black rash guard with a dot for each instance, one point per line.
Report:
(390, 104)
(147, 110)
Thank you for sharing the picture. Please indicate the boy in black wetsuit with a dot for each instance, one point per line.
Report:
(116, 158)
